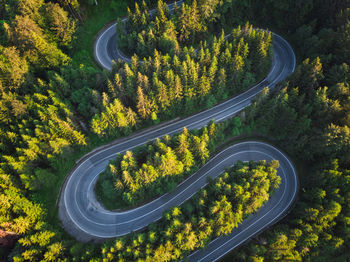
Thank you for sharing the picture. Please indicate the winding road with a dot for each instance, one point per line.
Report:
(85, 219)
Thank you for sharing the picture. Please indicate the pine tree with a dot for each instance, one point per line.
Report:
(183, 145)
(135, 63)
(162, 95)
(162, 14)
(119, 87)
(204, 84)
(200, 149)
(207, 8)
(60, 27)
(170, 82)
(143, 104)
(111, 89)
(187, 159)
(184, 26)
(141, 48)
(136, 16)
(13, 68)
(178, 90)
(131, 116)
(193, 78)
(212, 70)
(129, 81)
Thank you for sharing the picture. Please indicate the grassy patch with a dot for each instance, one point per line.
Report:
(95, 18)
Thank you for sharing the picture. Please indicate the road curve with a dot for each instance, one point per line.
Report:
(85, 219)
(105, 46)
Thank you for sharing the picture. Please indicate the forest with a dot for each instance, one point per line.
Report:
(211, 212)
(183, 83)
(168, 31)
(56, 105)
(157, 167)
(153, 169)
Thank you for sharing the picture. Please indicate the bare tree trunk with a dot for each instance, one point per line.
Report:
(7, 238)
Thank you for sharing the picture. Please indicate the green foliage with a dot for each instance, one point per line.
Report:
(115, 119)
(34, 45)
(157, 167)
(309, 117)
(13, 68)
(303, 108)
(165, 86)
(45, 104)
(317, 224)
(216, 210)
(36, 123)
(59, 26)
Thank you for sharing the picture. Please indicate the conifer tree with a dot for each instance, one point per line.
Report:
(143, 104)
(178, 90)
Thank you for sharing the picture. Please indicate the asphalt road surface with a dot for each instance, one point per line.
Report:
(85, 219)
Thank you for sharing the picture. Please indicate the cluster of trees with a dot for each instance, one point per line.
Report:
(36, 126)
(169, 85)
(309, 118)
(36, 123)
(214, 211)
(304, 107)
(157, 167)
(313, 126)
(46, 103)
(165, 31)
(317, 228)
(115, 119)
(37, 33)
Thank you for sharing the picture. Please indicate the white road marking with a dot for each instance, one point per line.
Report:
(179, 193)
(255, 221)
(271, 157)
